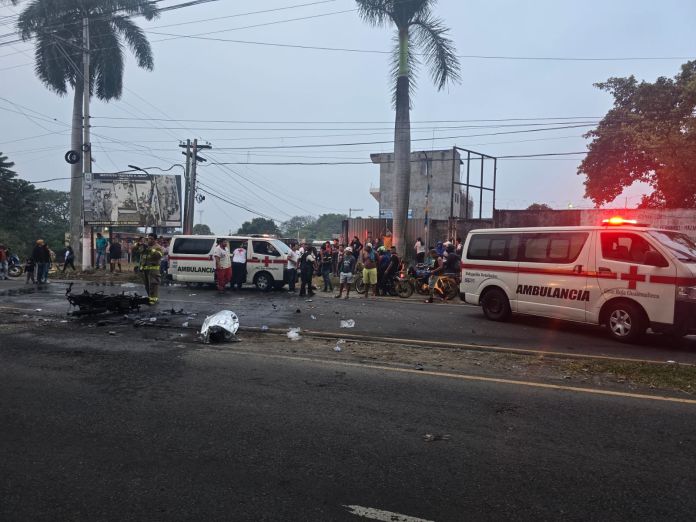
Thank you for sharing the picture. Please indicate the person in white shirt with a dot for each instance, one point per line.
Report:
(239, 272)
(293, 258)
(420, 251)
(223, 265)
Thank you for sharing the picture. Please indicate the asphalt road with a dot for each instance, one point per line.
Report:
(154, 429)
(376, 317)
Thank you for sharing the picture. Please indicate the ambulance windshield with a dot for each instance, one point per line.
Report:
(681, 245)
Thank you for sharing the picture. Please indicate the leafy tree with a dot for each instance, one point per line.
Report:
(539, 206)
(302, 226)
(328, 224)
(56, 27)
(415, 24)
(202, 230)
(650, 136)
(258, 225)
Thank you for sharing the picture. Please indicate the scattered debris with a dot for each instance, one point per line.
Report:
(349, 323)
(313, 317)
(264, 328)
(185, 325)
(111, 332)
(191, 295)
(153, 319)
(671, 362)
(220, 327)
(339, 345)
(38, 309)
(128, 285)
(419, 367)
(308, 300)
(294, 334)
(97, 303)
(432, 437)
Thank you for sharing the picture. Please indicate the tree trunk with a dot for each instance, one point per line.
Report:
(402, 148)
(76, 173)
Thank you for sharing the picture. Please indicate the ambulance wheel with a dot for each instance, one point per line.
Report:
(263, 281)
(496, 305)
(625, 321)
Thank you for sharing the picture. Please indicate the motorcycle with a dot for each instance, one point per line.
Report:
(14, 266)
(418, 277)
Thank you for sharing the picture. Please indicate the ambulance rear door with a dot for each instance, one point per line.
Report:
(553, 277)
(191, 259)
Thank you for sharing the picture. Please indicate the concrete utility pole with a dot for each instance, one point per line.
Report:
(192, 160)
(86, 145)
(187, 183)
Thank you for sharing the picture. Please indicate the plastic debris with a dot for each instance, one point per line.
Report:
(264, 328)
(112, 333)
(671, 362)
(191, 295)
(153, 319)
(294, 334)
(432, 437)
(220, 327)
(185, 325)
(339, 345)
(38, 309)
(308, 300)
(313, 317)
(349, 323)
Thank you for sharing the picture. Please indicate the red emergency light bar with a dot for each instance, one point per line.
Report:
(617, 221)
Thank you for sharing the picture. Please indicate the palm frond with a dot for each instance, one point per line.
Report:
(378, 13)
(439, 51)
(136, 40)
(107, 61)
(413, 67)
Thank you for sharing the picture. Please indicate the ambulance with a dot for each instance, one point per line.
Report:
(191, 259)
(620, 274)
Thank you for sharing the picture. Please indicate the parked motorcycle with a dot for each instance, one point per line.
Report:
(14, 266)
(418, 276)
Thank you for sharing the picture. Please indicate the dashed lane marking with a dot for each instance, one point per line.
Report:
(379, 514)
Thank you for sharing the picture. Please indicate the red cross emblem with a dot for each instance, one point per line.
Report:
(632, 277)
(267, 262)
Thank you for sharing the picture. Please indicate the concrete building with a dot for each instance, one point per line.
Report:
(439, 168)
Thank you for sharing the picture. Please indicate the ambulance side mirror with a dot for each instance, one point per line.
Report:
(653, 258)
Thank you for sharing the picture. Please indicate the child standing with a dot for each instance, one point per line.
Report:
(29, 270)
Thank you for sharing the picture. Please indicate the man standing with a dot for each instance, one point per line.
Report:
(293, 257)
(435, 272)
(150, 257)
(346, 272)
(3, 262)
(42, 260)
(307, 270)
(223, 265)
(101, 251)
(69, 259)
(239, 260)
(369, 261)
(115, 255)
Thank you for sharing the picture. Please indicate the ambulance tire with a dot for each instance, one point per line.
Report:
(263, 281)
(625, 321)
(496, 305)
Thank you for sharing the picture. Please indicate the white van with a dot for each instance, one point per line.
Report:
(620, 274)
(191, 259)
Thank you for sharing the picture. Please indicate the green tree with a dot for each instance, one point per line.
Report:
(202, 230)
(258, 225)
(56, 26)
(650, 136)
(299, 226)
(329, 224)
(17, 207)
(539, 206)
(415, 25)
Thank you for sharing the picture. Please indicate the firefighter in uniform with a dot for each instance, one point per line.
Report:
(150, 257)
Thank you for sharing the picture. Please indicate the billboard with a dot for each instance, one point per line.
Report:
(132, 199)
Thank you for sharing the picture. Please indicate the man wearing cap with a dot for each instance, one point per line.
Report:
(346, 270)
(150, 257)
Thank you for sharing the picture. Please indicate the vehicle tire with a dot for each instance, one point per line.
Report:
(404, 289)
(359, 284)
(452, 290)
(263, 281)
(496, 305)
(15, 271)
(625, 321)
(422, 287)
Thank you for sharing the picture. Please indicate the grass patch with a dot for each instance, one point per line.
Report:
(664, 376)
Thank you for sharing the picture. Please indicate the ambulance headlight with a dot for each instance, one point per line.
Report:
(686, 293)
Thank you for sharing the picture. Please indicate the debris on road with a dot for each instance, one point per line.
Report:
(432, 437)
(264, 328)
(38, 309)
(294, 334)
(313, 317)
(349, 323)
(89, 303)
(339, 345)
(111, 332)
(185, 325)
(220, 327)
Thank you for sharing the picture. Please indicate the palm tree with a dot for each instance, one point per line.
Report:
(415, 25)
(57, 28)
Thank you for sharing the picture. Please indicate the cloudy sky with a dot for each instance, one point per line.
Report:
(306, 72)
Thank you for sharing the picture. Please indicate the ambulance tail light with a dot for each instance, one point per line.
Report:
(686, 293)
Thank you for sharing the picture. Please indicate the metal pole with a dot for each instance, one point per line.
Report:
(495, 175)
(481, 191)
(192, 187)
(86, 145)
(468, 189)
(187, 187)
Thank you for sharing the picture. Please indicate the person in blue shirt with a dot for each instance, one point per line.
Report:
(101, 244)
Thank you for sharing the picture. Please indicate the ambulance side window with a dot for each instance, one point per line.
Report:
(264, 248)
(556, 247)
(236, 243)
(493, 247)
(625, 246)
(192, 245)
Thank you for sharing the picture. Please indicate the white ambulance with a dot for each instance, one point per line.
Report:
(621, 274)
(191, 259)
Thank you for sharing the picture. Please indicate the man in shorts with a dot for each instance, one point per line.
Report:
(345, 273)
(369, 261)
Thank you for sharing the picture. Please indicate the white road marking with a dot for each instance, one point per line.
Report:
(385, 516)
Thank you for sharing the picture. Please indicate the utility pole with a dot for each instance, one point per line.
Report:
(187, 184)
(86, 238)
(351, 210)
(192, 159)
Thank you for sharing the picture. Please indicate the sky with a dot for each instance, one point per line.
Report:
(241, 96)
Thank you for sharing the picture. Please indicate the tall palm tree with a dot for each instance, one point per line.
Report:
(415, 25)
(57, 28)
